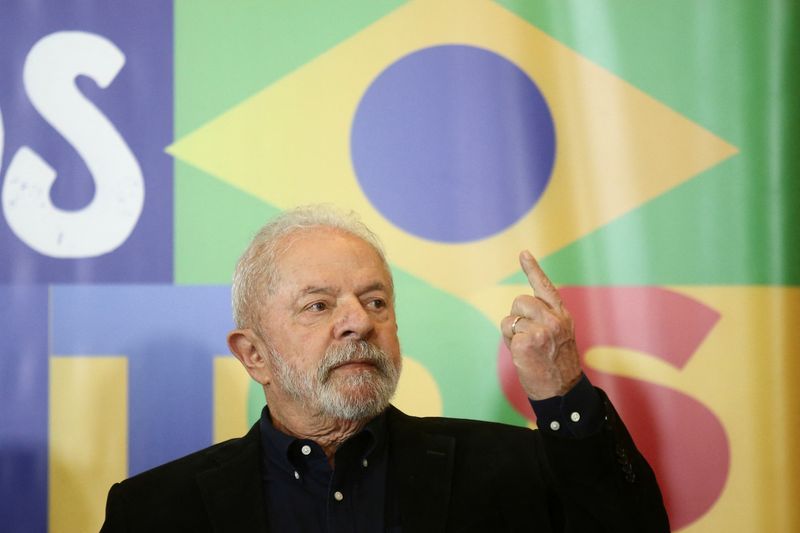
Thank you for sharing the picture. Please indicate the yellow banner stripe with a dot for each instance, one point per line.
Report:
(88, 441)
(231, 385)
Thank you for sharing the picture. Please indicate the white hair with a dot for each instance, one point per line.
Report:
(255, 272)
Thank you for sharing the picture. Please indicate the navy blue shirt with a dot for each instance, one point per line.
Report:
(302, 493)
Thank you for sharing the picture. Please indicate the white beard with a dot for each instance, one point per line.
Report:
(355, 396)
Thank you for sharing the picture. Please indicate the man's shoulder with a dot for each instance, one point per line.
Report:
(461, 429)
(183, 494)
(469, 453)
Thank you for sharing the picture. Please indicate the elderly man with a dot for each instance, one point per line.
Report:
(313, 302)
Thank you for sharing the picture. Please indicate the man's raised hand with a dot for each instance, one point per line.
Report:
(540, 334)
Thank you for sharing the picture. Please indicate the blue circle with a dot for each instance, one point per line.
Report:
(453, 143)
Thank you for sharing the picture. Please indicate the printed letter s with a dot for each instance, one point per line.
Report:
(682, 439)
(106, 222)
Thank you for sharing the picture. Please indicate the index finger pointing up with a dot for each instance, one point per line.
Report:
(542, 286)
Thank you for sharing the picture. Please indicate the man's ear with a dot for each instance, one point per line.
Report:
(250, 350)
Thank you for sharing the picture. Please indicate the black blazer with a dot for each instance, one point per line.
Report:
(444, 475)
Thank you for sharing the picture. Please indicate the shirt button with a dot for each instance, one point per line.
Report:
(306, 449)
(554, 425)
(338, 496)
(296, 474)
(364, 463)
(575, 416)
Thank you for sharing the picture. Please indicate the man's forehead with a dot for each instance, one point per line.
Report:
(333, 289)
(310, 257)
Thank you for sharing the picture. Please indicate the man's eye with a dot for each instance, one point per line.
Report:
(317, 307)
(377, 303)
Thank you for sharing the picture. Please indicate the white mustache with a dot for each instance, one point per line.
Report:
(352, 352)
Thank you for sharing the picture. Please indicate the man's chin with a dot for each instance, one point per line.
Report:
(357, 400)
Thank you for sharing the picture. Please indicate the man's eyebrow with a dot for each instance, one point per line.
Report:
(326, 289)
(317, 289)
(376, 286)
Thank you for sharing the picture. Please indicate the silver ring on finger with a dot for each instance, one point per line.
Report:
(514, 325)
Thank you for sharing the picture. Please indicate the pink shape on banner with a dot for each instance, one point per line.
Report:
(681, 438)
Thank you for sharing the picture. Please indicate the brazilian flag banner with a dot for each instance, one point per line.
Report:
(642, 150)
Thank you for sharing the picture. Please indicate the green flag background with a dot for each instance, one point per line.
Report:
(730, 230)
(669, 221)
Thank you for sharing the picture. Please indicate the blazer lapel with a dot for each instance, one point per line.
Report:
(420, 474)
(232, 492)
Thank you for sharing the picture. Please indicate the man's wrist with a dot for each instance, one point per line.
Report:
(576, 414)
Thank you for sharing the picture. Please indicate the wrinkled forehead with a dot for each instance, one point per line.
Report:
(309, 253)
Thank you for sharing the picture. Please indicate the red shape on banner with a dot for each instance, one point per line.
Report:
(681, 438)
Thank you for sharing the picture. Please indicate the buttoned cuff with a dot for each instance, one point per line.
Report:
(577, 414)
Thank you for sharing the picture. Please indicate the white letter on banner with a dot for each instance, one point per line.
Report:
(106, 222)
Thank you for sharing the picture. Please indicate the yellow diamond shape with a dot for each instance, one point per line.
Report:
(617, 147)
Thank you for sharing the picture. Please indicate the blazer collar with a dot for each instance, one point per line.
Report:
(420, 474)
(232, 491)
(418, 485)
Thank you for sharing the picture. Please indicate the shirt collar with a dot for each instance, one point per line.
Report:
(281, 448)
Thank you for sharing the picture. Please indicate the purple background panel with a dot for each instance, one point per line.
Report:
(170, 336)
(23, 409)
(139, 104)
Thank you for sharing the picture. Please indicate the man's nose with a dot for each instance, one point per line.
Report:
(352, 321)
